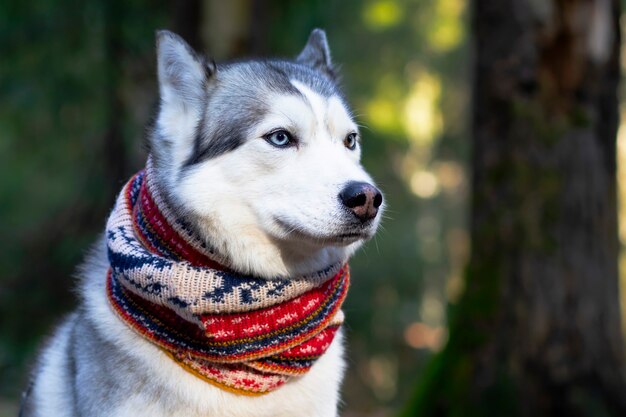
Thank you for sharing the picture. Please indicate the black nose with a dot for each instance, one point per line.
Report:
(362, 199)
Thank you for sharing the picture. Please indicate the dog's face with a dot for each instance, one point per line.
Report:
(263, 157)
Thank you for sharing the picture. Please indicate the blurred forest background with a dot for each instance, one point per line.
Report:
(77, 85)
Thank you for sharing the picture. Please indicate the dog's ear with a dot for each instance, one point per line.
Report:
(183, 74)
(184, 82)
(316, 53)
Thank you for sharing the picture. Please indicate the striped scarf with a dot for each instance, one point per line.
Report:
(244, 334)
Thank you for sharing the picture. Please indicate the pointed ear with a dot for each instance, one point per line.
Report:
(182, 73)
(316, 53)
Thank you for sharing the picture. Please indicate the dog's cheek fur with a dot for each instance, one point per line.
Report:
(237, 196)
(218, 198)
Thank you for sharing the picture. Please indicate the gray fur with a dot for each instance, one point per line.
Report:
(27, 405)
(113, 367)
(90, 360)
(316, 54)
(233, 95)
(175, 59)
(225, 126)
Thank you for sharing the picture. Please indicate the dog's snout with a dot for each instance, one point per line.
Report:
(362, 199)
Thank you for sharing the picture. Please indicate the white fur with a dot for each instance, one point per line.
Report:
(51, 392)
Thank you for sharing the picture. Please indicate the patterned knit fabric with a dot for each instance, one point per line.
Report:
(244, 334)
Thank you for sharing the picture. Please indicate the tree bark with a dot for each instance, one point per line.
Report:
(537, 331)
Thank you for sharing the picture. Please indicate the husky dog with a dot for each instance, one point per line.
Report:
(261, 158)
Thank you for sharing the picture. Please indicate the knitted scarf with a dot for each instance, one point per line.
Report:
(244, 334)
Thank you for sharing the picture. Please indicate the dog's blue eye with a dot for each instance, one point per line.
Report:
(280, 138)
(350, 141)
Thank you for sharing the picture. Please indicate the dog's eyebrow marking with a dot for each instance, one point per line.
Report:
(317, 103)
(329, 112)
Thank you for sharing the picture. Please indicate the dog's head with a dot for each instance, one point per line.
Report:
(263, 158)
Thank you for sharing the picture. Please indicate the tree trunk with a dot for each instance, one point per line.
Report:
(537, 332)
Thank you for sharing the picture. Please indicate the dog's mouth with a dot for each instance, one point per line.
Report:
(341, 239)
